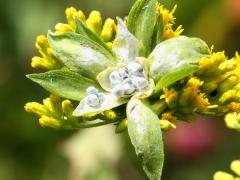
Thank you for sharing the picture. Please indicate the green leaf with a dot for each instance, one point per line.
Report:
(174, 76)
(82, 29)
(126, 46)
(146, 136)
(175, 59)
(66, 84)
(110, 101)
(141, 22)
(80, 54)
(158, 31)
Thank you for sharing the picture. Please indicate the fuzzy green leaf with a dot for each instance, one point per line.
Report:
(66, 84)
(146, 136)
(141, 22)
(126, 46)
(158, 31)
(174, 76)
(175, 59)
(82, 29)
(81, 54)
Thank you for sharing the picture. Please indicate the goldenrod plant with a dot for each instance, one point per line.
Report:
(137, 73)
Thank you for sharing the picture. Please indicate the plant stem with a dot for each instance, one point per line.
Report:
(159, 106)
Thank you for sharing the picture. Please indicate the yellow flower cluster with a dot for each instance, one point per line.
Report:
(106, 31)
(47, 61)
(235, 167)
(167, 121)
(94, 22)
(188, 99)
(222, 76)
(214, 89)
(168, 22)
(53, 113)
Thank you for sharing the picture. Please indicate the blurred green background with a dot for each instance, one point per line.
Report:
(29, 152)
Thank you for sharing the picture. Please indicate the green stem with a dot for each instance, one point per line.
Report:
(159, 106)
(86, 125)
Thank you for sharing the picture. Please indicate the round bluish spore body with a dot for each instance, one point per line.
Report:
(128, 88)
(93, 100)
(115, 78)
(135, 69)
(92, 90)
(128, 80)
(139, 82)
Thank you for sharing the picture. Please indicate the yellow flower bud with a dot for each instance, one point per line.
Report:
(34, 107)
(227, 65)
(232, 120)
(60, 27)
(42, 41)
(44, 63)
(122, 126)
(228, 96)
(47, 61)
(166, 125)
(50, 122)
(210, 86)
(228, 84)
(170, 96)
(209, 65)
(109, 45)
(56, 105)
(108, 30)
(94, 22)
(222, 176)
(67, 107)
(70, 15)
(110, 114)
(235, 167)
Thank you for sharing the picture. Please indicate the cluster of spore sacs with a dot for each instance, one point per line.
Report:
(125, 82)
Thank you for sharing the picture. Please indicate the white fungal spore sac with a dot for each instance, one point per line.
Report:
(92, 90)
(128, 80)
(100, 96)
(139, 82)
(123, 72)
(135, 69)
(118, 90)
(92, 100)
(128, 88)
(115, 78)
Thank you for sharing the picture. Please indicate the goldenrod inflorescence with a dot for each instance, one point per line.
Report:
(139, 74)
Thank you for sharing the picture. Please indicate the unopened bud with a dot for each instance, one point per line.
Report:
(110, 114)
(60, 27)
(50, 122)
(94, 22)
(108, 30)
(235, 167)
(67, 107)
(228, 84)
(222, 176)
(232, 120)
(228, 96)
(122, 126)
(34, 107)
